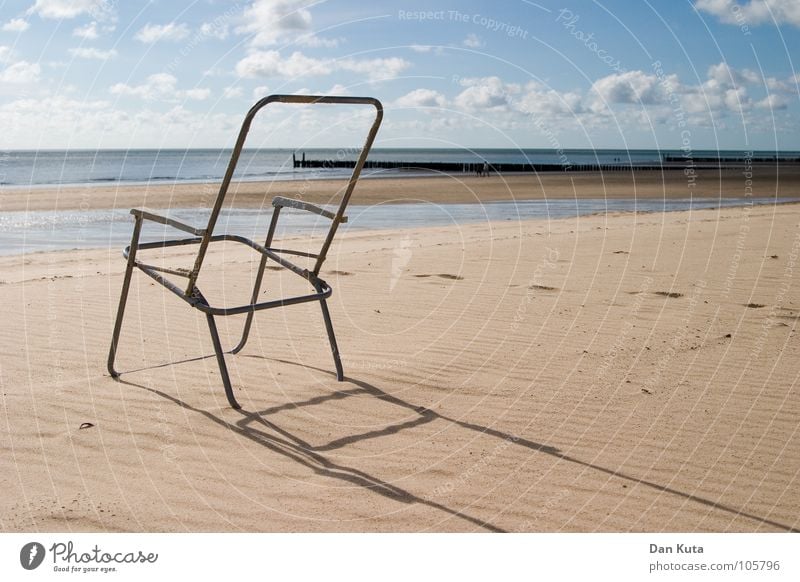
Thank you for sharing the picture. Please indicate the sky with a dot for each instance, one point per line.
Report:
(691, 74)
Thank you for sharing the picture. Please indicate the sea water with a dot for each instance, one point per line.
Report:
(35, 231)
(25, 232)
(46, 168)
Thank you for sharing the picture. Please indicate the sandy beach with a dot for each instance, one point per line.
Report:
(606, 373)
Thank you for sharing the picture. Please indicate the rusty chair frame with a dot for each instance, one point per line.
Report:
(204, 236)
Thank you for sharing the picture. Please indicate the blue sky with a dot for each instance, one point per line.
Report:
(652, 73)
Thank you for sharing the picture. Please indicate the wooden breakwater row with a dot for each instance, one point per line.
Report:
(761, 159)
(669, 163)
(480, 167)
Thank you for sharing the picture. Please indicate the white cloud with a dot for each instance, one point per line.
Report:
(485, 93)
(473, 41)
(5, 53)
(197, 94)
(635, 100)
(273, 21)
(425, 48)
(546, 102)
(260, 92)
(272, 64)
(314, 41)
(752, 12)
(215, 30)
(21, 72)
(92, 53)
(787, 86)
(26, 121)
(58, 121)
(337, 89)
(421, 98)
(159, 87)
(232, 92)
(375, 69)
(773, 102)
(89, 31)
(151, 33)
(630, 87)
(16, 25)
(61, 9)
(727, 76)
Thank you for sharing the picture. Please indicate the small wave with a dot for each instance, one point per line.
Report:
(257, 174)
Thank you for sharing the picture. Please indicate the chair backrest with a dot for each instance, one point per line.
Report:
(237, 150)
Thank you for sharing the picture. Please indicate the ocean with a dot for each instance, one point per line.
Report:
(87, 167)
(36, 231)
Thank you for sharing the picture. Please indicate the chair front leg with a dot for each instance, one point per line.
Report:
(331, 336)
(123, 299)
(223, 367)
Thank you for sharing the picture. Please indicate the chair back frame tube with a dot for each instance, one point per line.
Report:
(237, 151)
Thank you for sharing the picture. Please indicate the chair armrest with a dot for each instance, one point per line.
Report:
(281, 202)
(147, 214)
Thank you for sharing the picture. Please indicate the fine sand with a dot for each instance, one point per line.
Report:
(603, 373)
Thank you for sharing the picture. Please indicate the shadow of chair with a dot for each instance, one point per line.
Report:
(259, 428)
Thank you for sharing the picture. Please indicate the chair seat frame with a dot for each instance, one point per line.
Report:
(192, 295)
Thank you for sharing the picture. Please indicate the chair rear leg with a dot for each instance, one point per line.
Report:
(332, 338)
(223, 367)
(123, 299)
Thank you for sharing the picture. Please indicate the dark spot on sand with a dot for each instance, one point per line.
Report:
(773, 256)
(670, 294)
(621, 253)
(543, 288)
(274, 268)
(342, 273)
(754, 305)
(443, 276)
(85, 425)
(727, 335)
(646, 391)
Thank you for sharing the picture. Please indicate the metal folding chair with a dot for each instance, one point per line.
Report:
(204, 236)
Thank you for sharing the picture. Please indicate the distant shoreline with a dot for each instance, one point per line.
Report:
(763, 181)
(29, 169)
